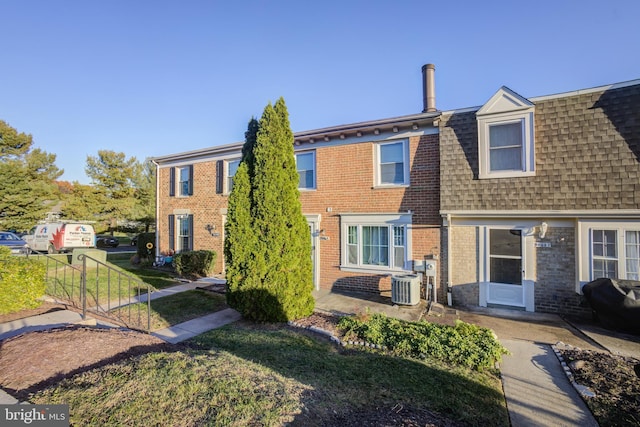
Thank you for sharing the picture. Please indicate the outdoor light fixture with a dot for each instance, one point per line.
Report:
(543, 229)
(210, 228)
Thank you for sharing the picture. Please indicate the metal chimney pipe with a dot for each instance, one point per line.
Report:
(428, 88)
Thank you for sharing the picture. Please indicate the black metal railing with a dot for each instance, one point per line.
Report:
(101, 289)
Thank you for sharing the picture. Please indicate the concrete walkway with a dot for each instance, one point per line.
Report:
(537, 390)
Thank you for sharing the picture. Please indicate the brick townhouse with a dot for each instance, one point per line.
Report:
(517, 203)
(370, 193)
(540, 196)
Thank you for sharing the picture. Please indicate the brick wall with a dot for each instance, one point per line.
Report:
(464, 275)
(204, 204)
(556, 278)
(345, 183)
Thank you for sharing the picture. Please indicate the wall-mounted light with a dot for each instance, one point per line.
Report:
(326, 138)
(210, 228)
(543, 229)
(415, 126)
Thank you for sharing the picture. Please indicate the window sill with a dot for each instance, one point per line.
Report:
(373, 270)
(390, 186)
(509, 174)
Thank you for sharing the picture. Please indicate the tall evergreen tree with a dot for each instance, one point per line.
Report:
(275, 281)
(28, 175)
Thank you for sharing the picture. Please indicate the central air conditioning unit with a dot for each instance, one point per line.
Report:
(405, 289)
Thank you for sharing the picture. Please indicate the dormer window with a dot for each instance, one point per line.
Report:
(505, 136)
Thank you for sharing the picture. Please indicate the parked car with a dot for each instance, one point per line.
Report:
(134, 240)
(106, 241)
(13, 242)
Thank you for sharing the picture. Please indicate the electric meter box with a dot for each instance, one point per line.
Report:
(430, 268)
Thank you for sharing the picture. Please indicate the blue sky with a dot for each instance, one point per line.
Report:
(153, 77)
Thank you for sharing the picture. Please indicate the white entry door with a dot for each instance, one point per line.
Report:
(505, 267)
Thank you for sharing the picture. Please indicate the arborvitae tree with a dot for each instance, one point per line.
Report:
(273, 282)
(240, 239)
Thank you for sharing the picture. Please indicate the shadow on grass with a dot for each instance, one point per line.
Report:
(347, 381)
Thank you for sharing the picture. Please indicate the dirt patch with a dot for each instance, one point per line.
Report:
(615, 380)
(32, 361)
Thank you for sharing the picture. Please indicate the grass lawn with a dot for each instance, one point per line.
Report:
(270, 375)
(159, 279)
(177, 308)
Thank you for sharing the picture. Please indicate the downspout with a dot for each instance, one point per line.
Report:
(157, 206)
(449, 262)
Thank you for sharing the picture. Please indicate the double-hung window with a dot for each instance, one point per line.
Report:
(306, 166)
(392, 163)
(181, 181)
(610, 250)
(604, 253)
(506, 136)
(232, 168)
(505, 147)
(181, 232)
(375, 242)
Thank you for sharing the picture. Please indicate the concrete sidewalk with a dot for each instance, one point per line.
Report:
(537, 390)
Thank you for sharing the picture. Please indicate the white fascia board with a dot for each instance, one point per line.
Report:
(569, 214)
(586, 91)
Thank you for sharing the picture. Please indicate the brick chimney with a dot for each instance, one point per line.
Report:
(428, 88)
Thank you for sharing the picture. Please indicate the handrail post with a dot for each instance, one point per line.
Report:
(83, 286)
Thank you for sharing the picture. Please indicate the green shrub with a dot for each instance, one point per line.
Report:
(145, 252)
(22, 282)
(195, 264)
(463, 344)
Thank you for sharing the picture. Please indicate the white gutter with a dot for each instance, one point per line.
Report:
(449, 260)
(592, 213)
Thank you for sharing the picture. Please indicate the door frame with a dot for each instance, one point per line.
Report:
(313, 220)
(502, 294)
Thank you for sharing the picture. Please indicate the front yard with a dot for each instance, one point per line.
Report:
(251, 374)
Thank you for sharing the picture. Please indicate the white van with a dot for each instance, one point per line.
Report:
(54, 237)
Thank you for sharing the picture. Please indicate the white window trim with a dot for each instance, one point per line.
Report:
(585, 247)
(376, 163)
(528, 151)
(380, 220)
(178, 182)
(315, 169)
(227, 162)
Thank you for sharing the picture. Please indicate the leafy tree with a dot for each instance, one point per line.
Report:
(84, 202)
(28, 177)
(275, 281)
(113, 175)
(144, 182)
